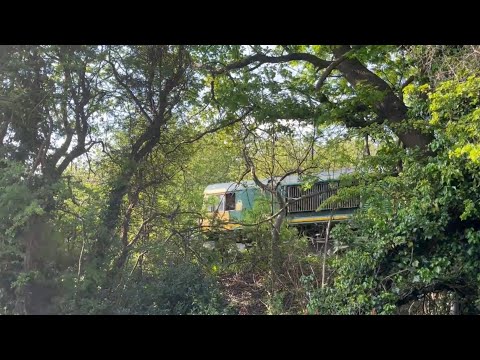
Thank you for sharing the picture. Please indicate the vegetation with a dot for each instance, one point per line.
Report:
(105, 152)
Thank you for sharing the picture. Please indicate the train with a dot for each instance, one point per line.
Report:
(227, 203)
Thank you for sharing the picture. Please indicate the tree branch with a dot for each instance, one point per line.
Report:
(129, 91)
(415, 293)
(139, 233)
(264, 59)
(332, 66)
(389, 106)
(407, 82)
(212, 130)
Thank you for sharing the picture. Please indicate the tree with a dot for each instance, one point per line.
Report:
(369, 94)
(413, 246)
(51, 95)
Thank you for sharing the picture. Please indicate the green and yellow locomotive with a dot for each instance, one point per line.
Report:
(227, 203)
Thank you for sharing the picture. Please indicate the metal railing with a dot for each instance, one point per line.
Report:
(315, 196)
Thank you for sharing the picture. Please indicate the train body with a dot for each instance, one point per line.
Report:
(228, 202)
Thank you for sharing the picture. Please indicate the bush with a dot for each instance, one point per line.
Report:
(179, 290)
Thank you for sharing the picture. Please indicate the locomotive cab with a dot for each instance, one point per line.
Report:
(225, 204)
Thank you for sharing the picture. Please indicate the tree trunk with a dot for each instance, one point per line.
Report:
(111, 215)
(455, 307)
(325, 249)
(276, 254)
(33, 297)
(390, 107)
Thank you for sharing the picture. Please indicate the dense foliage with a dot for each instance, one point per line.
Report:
(105, 152)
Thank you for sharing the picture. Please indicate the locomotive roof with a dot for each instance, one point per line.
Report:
(322, 176)
(289, 180)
